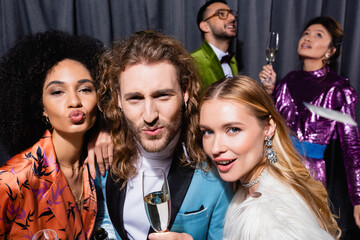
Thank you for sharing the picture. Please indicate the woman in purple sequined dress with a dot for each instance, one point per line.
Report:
(317, 84)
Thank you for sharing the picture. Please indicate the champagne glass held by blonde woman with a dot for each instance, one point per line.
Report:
(246, 138)
(49, 86)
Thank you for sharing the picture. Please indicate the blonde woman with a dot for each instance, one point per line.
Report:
(248, 141)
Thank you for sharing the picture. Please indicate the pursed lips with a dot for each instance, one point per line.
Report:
(76, 116)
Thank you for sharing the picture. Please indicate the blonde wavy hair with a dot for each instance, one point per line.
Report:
(289, 168)
(145, 47)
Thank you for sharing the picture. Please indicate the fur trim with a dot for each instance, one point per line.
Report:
(279, 213)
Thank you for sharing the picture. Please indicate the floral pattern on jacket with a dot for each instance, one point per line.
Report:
(35, 195)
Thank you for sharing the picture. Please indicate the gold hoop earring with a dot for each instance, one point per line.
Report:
(46, 120)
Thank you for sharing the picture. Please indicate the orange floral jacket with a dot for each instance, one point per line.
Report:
(35, 195)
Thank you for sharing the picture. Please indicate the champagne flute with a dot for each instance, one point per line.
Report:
(45, 234)
(272, 47)
(156, 198)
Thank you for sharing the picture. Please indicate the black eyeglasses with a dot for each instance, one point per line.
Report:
(223, 14)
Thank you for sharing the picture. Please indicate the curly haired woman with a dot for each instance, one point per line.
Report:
(48, 91)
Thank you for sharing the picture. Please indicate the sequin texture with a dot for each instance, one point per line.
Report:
(326, 89)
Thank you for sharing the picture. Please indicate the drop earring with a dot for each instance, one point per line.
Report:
(270, 153)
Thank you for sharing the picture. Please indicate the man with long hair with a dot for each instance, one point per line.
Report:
(148, 94)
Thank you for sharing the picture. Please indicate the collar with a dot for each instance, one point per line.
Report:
(163, 154)
(218, 52)
(320, 72)
(55, 193)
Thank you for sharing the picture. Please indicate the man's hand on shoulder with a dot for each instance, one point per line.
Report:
(101, 148)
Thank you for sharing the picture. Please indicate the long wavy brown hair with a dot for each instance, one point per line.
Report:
(289, 168)
(146, 47)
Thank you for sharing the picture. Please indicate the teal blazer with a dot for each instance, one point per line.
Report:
(199, 201)
(209, 65)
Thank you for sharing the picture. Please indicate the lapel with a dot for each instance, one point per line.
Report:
(90, 203)
(179, 182)
(52, 186)
(179, 179)
(65, 211)
(213, 60)
(115, 199)
(60, 201)
(55, 194)
(233, 66)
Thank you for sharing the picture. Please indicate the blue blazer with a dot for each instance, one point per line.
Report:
(198, 203)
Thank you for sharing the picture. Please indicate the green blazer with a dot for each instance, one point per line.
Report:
(210, 69)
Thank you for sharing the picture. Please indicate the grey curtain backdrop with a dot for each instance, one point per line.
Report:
(111, 19)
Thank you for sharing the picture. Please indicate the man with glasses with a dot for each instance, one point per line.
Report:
(217, 22)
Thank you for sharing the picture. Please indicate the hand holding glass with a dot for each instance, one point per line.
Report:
(156, 198)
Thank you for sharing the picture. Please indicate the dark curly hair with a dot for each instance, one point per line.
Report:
(23, 70)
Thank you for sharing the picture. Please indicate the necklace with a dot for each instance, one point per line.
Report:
(253, 182)
(66, 166)
(79, 201)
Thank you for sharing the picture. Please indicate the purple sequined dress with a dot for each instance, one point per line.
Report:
(326, 89)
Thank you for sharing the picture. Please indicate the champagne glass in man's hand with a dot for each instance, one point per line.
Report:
(156, 198)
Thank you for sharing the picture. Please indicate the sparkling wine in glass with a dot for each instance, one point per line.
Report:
(156, 198)
(272, 47)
